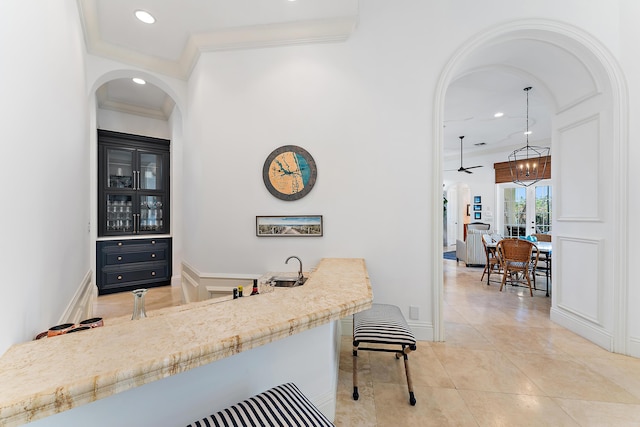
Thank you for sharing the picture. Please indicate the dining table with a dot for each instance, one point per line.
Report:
(544, 249)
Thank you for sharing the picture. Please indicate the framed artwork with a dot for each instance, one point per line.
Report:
(477, 199)
(477, 215)
(289, 226)
(289, 172)
(477, 208)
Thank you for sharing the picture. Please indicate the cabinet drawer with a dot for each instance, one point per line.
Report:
(141, 255)
(119, 252)
(129, 264)
(145, 273)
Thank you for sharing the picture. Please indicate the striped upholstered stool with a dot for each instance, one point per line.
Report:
(383, 326)
(284, 405)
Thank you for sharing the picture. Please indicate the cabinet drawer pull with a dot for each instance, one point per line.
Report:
(119, 258)
(153, 273)
(153, 255)
(119, 277)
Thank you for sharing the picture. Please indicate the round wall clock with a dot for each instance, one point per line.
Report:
(289, 172)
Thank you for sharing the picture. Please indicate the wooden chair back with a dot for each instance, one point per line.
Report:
(542, 237)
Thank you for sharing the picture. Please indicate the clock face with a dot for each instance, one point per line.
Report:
(289, 172)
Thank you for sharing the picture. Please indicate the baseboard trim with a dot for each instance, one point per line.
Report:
(81, 305)
(634, 347)
(582, 328)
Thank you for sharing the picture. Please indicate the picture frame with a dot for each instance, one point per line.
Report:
(477, 215)
(477, 199)
(289, 226)
(477, 208)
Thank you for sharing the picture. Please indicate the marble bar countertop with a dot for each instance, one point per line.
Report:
(51, 375)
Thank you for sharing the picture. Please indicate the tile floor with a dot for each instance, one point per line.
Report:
(504, 363)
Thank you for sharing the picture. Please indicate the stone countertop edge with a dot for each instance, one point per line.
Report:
(45, 377)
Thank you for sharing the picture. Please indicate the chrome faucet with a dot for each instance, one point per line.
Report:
(300, 277)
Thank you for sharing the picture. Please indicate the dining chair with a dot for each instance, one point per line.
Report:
(518, 261)
(493, 262)
(542, 237)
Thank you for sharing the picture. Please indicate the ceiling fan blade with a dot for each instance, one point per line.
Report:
(467, 171)
(473, 167)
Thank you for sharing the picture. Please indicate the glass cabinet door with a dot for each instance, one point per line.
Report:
(150, 171)
(119, 215)
(120, 168)
(152, 214)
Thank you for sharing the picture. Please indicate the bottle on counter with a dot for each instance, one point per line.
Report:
(255, 287)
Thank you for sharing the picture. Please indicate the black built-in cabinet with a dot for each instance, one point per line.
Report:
(125, 265)
(133, 184)
(133, 201)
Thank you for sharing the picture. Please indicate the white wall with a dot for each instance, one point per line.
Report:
(363, 126)
(129, 123)
(44, 188)
(363, 109)
(630, 62)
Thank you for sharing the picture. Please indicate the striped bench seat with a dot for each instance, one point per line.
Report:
(383, 326)
(284, 405)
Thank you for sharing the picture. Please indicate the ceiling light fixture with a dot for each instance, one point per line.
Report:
(145, 16)
(138, 80)
(498, 114)
(528, 164)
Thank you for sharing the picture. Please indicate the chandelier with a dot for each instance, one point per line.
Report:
(529, 163)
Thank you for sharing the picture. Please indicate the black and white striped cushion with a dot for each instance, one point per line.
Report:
(384, 324)
(284, 405)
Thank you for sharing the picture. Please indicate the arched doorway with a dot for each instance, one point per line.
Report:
(586, 89)
(168, 125)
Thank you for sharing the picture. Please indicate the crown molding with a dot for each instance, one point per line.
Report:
(246, 37)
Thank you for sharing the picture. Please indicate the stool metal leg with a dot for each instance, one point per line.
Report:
(412, 399)
(356, 395)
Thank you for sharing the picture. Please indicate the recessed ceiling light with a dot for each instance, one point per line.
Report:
(145, 16)
(528, 132)
(138, 80)
(498, 114)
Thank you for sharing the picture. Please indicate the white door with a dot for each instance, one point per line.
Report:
(524, 210)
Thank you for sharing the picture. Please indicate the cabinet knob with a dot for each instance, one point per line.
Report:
(153, 242)
(119, 258)
(153, 273)
(119, 243)
(153, 255)
(119, 277)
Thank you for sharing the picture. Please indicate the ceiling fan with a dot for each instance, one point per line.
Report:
(462, 168)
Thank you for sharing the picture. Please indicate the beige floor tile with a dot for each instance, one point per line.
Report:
(598, 414)
(434, 407)
(483, 370)
(355, 413)
(464, 335)
(518, 339)
(564, 377)
(500, 409)
(622, 370)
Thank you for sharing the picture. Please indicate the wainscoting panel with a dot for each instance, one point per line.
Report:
(578, 150)
(580, 270)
